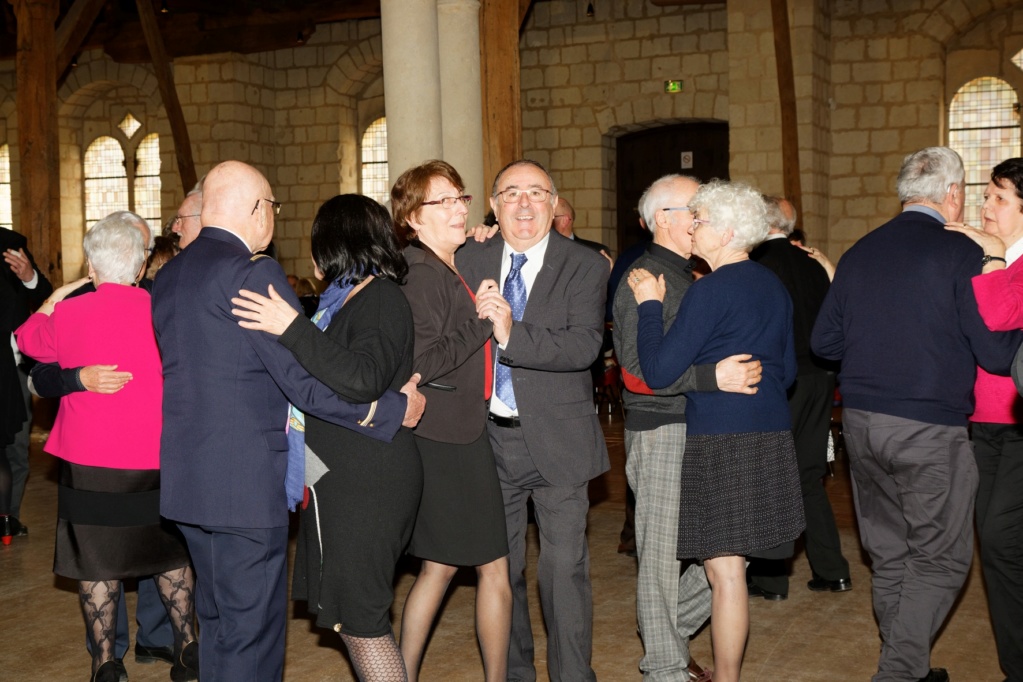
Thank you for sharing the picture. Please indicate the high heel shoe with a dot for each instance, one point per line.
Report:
(6, 529)
(186, 664)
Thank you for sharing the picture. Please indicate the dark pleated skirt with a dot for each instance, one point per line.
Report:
(740, 496)
(461, 516)
(109, 525)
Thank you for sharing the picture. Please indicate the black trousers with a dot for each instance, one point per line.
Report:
(810, 404)
(999, 452)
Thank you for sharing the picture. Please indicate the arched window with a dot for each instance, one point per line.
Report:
(6, 212)
(113, 185)
(983, 126)
(375, 183)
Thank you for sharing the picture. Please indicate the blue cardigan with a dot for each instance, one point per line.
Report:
(739, 308)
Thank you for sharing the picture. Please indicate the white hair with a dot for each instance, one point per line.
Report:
(657, 196)
(928, 174)
(136, 221)
(115, 249)
(733, 206)
(776, 218)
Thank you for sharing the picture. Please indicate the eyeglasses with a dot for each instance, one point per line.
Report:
(676, 208)
(181, 218)
(449, 202)
(697, 222)
(276, 205)
(534, 194)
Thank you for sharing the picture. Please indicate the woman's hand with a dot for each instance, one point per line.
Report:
(59, 295)
(272, 314)
(991, 243)
(646, 287)
(819, 256)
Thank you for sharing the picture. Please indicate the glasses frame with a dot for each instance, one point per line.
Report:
(181, 218)
(275, 205)
(508, 199)
(677, 208)
(449, 202)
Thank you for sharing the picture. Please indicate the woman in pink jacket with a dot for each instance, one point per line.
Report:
(108, 513)
(997, 434)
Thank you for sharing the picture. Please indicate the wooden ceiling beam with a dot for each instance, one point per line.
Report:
(791, 179)
(73, 30)
(500, 89)
(165, 81)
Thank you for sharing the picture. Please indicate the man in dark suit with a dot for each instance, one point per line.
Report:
(564, 224)
(548, 319)
(810, 399)
(224, 448)
(25, 287)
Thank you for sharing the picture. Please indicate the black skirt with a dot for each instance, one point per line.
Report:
(109, 525)
(461, 516)
(740, 496)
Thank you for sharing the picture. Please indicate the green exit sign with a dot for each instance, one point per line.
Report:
(673, 86)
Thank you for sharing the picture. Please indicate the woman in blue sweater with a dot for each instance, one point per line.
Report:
(740, 486)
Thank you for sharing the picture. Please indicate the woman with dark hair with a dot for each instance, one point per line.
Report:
(362, 494)
(461, 517)
(996, 432)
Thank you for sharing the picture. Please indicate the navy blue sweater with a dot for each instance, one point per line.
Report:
(739, 308)
(902, 319)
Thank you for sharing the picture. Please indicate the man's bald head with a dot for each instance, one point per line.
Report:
(236, 196)
(564, 217)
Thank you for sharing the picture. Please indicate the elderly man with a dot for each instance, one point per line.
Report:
(224, 449)
(902, 319)
(564, 224)
(810, 401)
(547, 440)
(672, 600)
(187, 223)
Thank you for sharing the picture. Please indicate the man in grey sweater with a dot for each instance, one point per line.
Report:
(671, 603)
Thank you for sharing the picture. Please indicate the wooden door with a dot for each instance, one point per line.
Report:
(646, 155)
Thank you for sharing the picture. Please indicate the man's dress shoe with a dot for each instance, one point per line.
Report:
(936, 675)
(152, 654)
(757, 591)
(822, 585)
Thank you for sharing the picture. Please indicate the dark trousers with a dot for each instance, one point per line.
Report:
(562, 570)
(914, 486)
(17, 452)
(810, 404)
(240, 600)
(155, 629)
(999, 452)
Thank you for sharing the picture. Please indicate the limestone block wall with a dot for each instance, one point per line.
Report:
(586, 81)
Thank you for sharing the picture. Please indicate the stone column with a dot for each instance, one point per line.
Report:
(458, 28)
(411, 78)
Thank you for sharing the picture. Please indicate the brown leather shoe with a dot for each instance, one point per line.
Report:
(698, 674)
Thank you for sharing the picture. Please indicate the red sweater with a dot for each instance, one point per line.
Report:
(1000, 302)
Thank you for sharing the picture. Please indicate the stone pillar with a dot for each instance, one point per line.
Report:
(458, 28)
(411, 74)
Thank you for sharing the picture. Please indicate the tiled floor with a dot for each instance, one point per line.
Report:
(811, 637)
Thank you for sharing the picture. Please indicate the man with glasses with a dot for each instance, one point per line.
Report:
(224, 449)
(548, 316)
(187, 223)
(902, 318)
(672, 600)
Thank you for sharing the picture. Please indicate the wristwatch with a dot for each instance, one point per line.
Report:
(987, 259)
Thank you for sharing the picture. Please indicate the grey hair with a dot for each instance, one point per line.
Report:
(115, 249)
(523, 162)
(650, 202)
(733, 206)
(928, 174)
(136, 221)
(776, 218)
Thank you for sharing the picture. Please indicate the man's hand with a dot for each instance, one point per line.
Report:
(416, 401)
(103, 378)
(20, 264)
(482, 233)
(739, 374)
(610, 260)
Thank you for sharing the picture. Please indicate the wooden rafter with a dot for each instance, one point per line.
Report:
(73, 29)
(791, 181)
(165, 81)
(499, 73)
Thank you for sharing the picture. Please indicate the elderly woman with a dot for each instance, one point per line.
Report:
(740, 492)
(996, 433)
(461, 516)
(362, 493)
(108, 517)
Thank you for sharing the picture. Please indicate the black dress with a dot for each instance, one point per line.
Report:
(461, 519)
(360, 513)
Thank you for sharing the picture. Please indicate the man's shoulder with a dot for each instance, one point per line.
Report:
(9, 239)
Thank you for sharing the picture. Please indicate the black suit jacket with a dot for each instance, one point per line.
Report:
(550, 352)
(807, 283)
(223, 452)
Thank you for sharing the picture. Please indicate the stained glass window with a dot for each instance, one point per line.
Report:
(147, 179)
(106, 180)
(6, 212)
(129, 126)
(1018, 59)
(983, 126)
(375, 182)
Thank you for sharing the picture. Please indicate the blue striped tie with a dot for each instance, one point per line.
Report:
(515, 293)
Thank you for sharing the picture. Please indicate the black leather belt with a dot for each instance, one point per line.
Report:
(504, 422)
